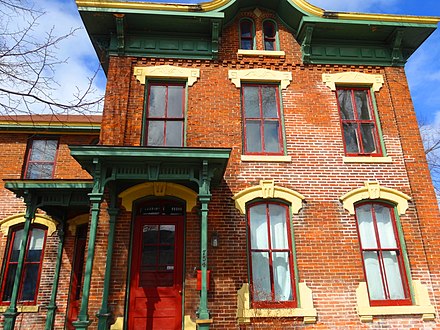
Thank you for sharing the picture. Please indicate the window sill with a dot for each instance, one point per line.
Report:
(366, 159)
(245, 312)
(270, 53)
(22, 309)
(260, 158)
(422, 304)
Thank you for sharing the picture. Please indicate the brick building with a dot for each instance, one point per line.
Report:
(258, 166)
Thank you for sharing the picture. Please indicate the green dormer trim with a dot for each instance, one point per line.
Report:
(192, 31)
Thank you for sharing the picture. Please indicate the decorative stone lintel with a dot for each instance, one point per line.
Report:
(166, 72)
(331, 80)
(373, 190)
(268, 189)
(41, 219)
(260, 75)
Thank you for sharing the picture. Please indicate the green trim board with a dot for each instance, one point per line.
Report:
(192, 31)
(59, 198)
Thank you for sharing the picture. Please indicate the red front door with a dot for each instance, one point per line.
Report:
(156, 270)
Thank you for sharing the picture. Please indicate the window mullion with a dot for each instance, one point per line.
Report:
(269, 240)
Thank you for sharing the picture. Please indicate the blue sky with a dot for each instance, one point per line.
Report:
(423, 69)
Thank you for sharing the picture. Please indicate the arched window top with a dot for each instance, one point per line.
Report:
(373, 190)
(267, 189)
(247, 34)
(270, 31)
(40, 219)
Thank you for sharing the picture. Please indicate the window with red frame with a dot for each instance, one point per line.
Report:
(271, 259)
(41, 157)
(30, 277)
(382, 255)
(165, 115)
(262, 120)
(269, 35)
(358, 122)
(247, 34)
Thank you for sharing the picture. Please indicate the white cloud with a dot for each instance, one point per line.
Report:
(76, 50)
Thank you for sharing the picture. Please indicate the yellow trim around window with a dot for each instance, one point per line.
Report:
(260, 76)
(166, 72)
(75, 222)
(159, 189)
(306, 310)
(373, 190)
(268, 189)
(22, 309)
(422, 305)
(40, 219)
(331, 80)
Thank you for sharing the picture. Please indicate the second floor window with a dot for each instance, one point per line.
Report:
(164, 125)
(41, 158)
(262, 120)
(359, 127)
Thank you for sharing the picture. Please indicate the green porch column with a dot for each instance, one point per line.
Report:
(203, 321)
(83, 321)
(10, 314)
(104, 313)
(52, 304)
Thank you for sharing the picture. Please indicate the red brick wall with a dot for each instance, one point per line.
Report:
(13, 151)
(327, 247)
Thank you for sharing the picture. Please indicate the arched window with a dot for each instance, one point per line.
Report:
(247, 34)
(270, 255)
(269, 35)
(30, 277)
(382, 256)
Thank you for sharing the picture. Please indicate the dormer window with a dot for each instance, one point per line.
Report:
(247, 34)
(269, 35)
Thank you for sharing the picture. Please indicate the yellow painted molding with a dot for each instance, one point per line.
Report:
(367, 159)
(269, 53)
(260, 158)
(207, 321)
(260, 75)
(118, 325)
(166, 72)
(158, 189)
(268, 189)
(216, 4)
(373, 190)
(75, 222)
(41, 219)
(22, 309)
(331, 80)
(306, 310)
(422, 305)
(189, 324)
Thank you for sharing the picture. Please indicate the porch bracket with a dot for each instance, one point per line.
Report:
(397, 57)
(95, 197)
(104, 313)
(203, 314)
(306, 45)
(11, 313)
(51, 308)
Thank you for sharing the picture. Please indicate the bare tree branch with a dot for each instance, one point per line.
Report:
(28, 63)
